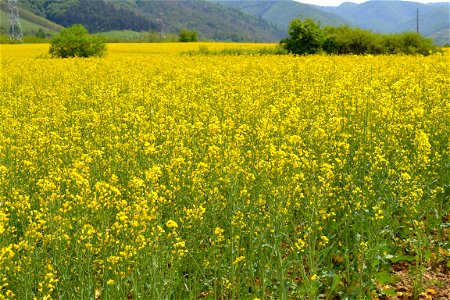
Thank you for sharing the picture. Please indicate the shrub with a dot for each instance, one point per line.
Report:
(414, 43)
(305, 37)
(75, 41)
(40, 34)
(188, 36)
(346, 40)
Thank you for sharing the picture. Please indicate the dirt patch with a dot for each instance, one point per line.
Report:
(434, 282)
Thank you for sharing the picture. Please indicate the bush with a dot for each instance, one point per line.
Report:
(305, 37)
(75, 41)
(40, 34)
(346, 40)
(414, 43)
(188, 36)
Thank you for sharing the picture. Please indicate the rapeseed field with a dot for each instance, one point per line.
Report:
(153, 175)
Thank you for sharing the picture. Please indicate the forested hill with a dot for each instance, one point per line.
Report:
(211, 20)
(96, 16)
(382, 16)
(233, 20)
(281, 12)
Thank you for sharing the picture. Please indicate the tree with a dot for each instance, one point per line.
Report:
(305, 37)
(76, 41)
(188, 36)
(40, 34)
(346, 40)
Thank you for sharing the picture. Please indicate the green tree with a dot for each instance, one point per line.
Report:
(188, 36)
(76, 41)
(305, 37)
(346, 40)
(40, 34)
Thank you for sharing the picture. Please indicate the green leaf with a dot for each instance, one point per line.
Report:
(336, 280)
(401, 257)
(384, 278)
(375, 263)
(390, 292)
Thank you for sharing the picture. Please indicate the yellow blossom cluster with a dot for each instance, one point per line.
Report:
(150, 174)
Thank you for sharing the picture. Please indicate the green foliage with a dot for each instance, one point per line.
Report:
(211, 20)
(76, 41)
(188, 36)
(414, 43)
(305, 37)
(30, 23)
(40, 34)
(346, 40)
(100, 16)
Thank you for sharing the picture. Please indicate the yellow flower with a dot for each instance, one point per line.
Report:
(323, 240)
(300, 245)
(238, 260)
(171, 224)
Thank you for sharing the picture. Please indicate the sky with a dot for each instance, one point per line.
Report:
(337, 2)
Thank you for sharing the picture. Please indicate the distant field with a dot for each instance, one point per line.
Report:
(116, 50)
(149, 174)
(130, 36)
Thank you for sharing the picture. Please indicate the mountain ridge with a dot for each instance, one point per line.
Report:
(398, 16)
(232, 20)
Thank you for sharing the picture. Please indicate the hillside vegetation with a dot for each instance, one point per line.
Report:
(377, 16)
(281, 12)
(211, 20)
(231, 20)
(30, 22)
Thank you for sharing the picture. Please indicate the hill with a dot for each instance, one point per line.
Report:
(379, 16)
(281, 12)
(233, 20)
(29, 21)
(212, 20)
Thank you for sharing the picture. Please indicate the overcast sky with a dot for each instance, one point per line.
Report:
(337, 2)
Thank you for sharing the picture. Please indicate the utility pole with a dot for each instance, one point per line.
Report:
(15, 30)
(160, 23)
(417, 20)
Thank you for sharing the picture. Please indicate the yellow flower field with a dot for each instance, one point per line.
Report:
(153, 175)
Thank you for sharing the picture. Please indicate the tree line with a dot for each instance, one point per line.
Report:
(308, 37)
